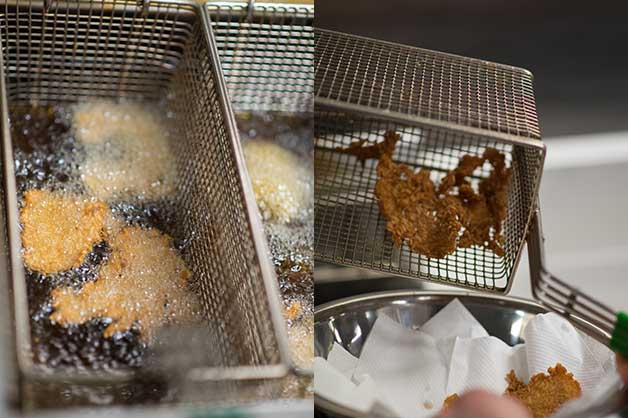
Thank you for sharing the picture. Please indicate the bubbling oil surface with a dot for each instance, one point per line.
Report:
(291, 241)
(48, 155)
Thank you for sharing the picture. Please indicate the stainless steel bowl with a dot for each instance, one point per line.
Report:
(349, 321)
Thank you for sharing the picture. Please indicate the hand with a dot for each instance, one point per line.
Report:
(622, 367)
(480, 404)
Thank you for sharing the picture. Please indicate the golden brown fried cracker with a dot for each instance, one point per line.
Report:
(144, 281)
(127, 150)
(281, 182)
(59, 230)
(414, 210)
(544, 394)
(435, 221)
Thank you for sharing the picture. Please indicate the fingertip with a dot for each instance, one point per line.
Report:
(480, 403)
(622, 367)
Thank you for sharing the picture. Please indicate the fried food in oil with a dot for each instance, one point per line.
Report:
(293, 311)
(300, 333)
(59, 230)
(367, 152)
(127, 151)
(96, 122)
(281, 182)
(144, 282)
(543, 395)
(127, 177)
(434, 221)
(301, 339)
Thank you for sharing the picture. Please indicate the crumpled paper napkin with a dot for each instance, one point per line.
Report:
(408, 373)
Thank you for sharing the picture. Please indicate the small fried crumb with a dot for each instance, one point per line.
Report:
(449, 401)
(293, 311)
(364, 152)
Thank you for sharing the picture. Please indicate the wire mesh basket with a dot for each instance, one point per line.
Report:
(444, 107)
(266, 54)
(62, 52)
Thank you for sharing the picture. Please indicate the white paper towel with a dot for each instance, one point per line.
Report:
(410, 372)
(405, 364)
(333, 385)
(454, 320)
(550, 337)
(483, 363)
(342, 360)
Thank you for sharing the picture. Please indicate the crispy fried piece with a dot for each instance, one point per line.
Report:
(281, 182)
(128, 177)
(414, 210)
(127, 148)
(544, 394)
(434, 221)
(363, 153)
(144, 282)
(96, 122)
(485, 210)
(301, 339)
(58, 230)
(449, 401)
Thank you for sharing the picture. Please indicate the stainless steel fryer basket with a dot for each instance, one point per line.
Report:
(66, 51)
(443, 106)
(266, 53)
(267, 57)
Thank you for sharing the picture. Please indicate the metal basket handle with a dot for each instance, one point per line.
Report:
(595, 318)
(250, 10)
(143, 5)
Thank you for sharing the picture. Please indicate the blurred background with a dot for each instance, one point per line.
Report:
(577, 52)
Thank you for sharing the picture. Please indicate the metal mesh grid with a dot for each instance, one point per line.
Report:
(267, 56)
(349, 227)
(211, 191)
(76, 50)
(421, 83)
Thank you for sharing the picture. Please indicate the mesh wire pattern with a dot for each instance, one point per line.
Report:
(422, 83)
(112, 49)
(267, 55)
(359, 83)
